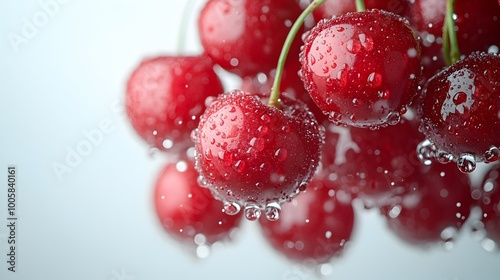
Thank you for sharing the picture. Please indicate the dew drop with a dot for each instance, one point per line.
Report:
(353, 46)
(312, 59)
(366, 41)
(252, 212)
(374, 80)
(493, 154)
(265, 118)
(426, 152)
(459, 98)
(225, 157)
(466, 163)
(273, 211)
(231, 208)
(281, 154)
(239, 166)
(303, 186)
(393, 118)
(444, 157)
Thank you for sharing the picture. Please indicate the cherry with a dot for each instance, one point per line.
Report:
(256, 156)
(436, 208)
(460, 112)
(490, 204)
(373, 165)
(245, 37)
(363, 68)
(314, 227)
(187, 211)
(475, 22)
(166, 96)
(339, 7)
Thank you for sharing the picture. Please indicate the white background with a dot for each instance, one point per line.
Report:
(97, 221)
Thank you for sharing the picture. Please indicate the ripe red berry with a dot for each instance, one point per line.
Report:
(255, 156)
(246, 37)
(374, 165)
(475, 22)
(339, 7)
(460, 111)
(187, 211)
(362, 69)
(490, 204)
(166, 96)
(314, 227)
(435, 209)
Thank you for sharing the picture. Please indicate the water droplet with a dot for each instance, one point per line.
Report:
(273, 211)
(203, 251)
(366, 41)
(252, 212)
(459, 98)
(312, 59)
(303, 186)
(231, 208)
(334, 117)
(265, 118)
(213, 126)
(239, 166)
(426, 152)
(226, 158)
(466, 163)
(493, 154)
(167, 143)
(353, 46)
(374, 80)
(356, 102)
(444, 157)
(393, 118)
(286, 129)
(281, 154)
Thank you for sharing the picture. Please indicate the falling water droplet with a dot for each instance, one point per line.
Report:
(273, 211)
(231, 208)
(252, 212)
(466, 163)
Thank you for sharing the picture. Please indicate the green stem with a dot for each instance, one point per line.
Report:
(275, 92)
(451, 50)
(360, 5)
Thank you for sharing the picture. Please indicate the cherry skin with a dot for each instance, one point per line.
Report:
(475, 23)
(253, 155)
(362, 69)
(245, 37)
(490, 204)
(375, 165)
(314, 227)
(436, 208)
(339, 7)
(186, 210)
(460, 110)
(166, 96)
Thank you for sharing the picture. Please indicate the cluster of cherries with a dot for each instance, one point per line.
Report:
(358, 107)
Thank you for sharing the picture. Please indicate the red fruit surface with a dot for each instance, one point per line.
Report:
(435, 209)
(252, 154)
(476, 22)
(490, 204)
(339, 7)
(362, 69)
(166, 96)
(314, 226)
(374, 165)
(460, 111)
(185, 210)
(246, 36)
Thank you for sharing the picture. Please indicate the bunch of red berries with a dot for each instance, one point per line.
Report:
(357, 107)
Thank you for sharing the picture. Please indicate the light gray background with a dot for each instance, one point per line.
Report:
(97, 222)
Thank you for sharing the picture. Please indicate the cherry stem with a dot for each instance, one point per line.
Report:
(275, 92)
(451, 51)
(360, 5)
(181, 42)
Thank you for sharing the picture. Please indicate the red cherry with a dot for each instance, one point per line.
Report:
(460, 111)
(255, 156)
(339, 7)
(490, 204)
(374, 165)
(314, 226)
(435, 209)
(246, 37)
(166, 96)
(187, 211)
(362, 69)
(475, 22)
